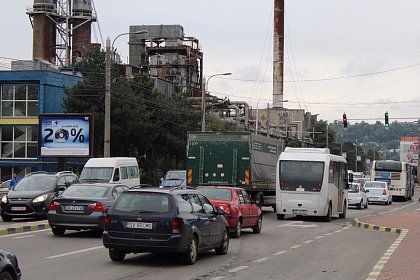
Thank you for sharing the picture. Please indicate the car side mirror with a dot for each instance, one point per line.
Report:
(220, 211)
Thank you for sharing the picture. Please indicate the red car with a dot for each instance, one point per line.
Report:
(240, 211)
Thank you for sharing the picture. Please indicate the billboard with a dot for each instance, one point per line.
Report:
(65, 135)
(409, 149)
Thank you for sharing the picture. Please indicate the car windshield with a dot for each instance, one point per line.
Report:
(216, 193)
(354, 188)
(172, 183)
(142, 202)
(304, 174)
(36, 183)
(175, 175)
(370, 184)
(97, 173)
(87, 191)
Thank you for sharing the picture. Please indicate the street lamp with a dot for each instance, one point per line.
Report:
(107, 127)
(203, 99)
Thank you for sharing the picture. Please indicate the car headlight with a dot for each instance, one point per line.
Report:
(40, 198)
(4, 198)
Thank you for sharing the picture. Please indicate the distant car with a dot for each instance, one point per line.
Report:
(82, 207)
(165, 220)
(174, 178)
(240, 211)
(357, 196)
(9, 267)
(378, 192)
(31, 197)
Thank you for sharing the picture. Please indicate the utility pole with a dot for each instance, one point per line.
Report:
(107, 127)
(327, 135)
(356, 158)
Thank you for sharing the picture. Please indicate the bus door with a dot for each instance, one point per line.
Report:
(341, 182)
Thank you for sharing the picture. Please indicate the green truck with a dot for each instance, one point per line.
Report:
(237, 159)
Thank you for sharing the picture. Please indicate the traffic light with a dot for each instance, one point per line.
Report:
(386, 120)
(345, 120)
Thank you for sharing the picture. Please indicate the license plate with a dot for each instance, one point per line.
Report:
(139, 225)
(74, 208)
(17, 208)
(299, 212)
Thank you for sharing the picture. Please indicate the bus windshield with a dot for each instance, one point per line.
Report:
(388, 166)
(295, 175)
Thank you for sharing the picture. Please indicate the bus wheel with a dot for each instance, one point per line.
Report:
(327, 218)
(343, 215)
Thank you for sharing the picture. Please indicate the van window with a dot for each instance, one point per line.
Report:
(116, 175)
(133, 172)
(124, 174)
(97, 173)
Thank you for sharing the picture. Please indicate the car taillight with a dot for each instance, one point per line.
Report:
(176, 226)
(282, 185)
(357, 189)
(106, 224)
(384, 193)
(54, 205)
(97, 207)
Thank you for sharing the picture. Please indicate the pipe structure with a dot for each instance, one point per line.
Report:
(246, 111)
(238, 113)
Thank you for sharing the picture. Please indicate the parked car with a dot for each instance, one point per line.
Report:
(4, 188)
(240, 211)
(174, 178)
(31, 197)
(9, 267)
(165, 220)
(378, 192)
(82, 207)
(357, 196)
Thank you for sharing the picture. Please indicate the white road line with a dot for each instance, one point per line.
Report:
(330, 233)
(75, 252)
(418, 209)
(239, 268)
(21, 233)
(308, 241)
(319, 237)
(25, 236)
(340, 230)
(218, 278)
(261, 260)
(295, 247)
(279, 253)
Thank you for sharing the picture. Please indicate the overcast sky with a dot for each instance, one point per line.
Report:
(326, 41)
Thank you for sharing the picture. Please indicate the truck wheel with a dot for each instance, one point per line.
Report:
(280, 216)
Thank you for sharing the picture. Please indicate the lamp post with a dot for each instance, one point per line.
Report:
(107, 126)
(203, 99)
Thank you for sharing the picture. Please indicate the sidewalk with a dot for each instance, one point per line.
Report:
(404, 262)
(19, 227)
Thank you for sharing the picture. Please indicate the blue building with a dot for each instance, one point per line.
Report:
(24, 95)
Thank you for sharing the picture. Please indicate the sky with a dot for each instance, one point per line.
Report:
(361, 57)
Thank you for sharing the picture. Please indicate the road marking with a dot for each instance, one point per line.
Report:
(279, 253)
(308, 241)
(295, 247)
(261, 260)
(21, 233)
(218, 278)
(319, 237)
(239, 268)
(330, 233)
(298, 224)
(25, 236)
(75, 252)
(340, 230)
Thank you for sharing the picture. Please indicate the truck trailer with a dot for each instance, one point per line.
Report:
(237, 159)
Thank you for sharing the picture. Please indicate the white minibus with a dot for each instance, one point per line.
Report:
(121, 170)
(311, 182)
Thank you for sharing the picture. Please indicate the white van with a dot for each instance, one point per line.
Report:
(121, 170)
(311, 182)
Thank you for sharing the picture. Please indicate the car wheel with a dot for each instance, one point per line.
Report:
(5, 275)
(257, 228)
(116, 255)
(6, 218)
(359, 205)
(58, 231)
(190, 257)
(327, 218)
(238, 229)
(367, 204)
(343, 215)
(224, 244)
(390, 201)
(280, 216)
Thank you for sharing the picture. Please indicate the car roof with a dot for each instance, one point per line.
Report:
(171, 191)
(221, 187)
(98, 184)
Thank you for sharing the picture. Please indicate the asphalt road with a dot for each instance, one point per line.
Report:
(289, 249)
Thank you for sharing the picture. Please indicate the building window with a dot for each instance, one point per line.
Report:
(19, 141)
(19, 100)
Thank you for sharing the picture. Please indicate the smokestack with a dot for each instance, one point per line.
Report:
(82, 28)
(44, 30)
(278, 55)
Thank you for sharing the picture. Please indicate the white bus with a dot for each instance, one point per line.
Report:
(311, 182)
(399, 175)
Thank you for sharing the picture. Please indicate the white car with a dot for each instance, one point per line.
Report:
(357, 196)
(378, 192)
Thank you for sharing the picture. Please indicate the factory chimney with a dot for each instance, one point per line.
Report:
(82, 27)
(278, 55)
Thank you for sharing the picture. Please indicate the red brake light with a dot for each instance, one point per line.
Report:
(357, 189)
(384, 193)
(54, 205)
(282, 185)
(318, 187)
(97, 207)
(106, 224)
(176, 226)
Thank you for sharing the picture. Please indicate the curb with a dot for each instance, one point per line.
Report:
(21, 229)
(367, 226)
